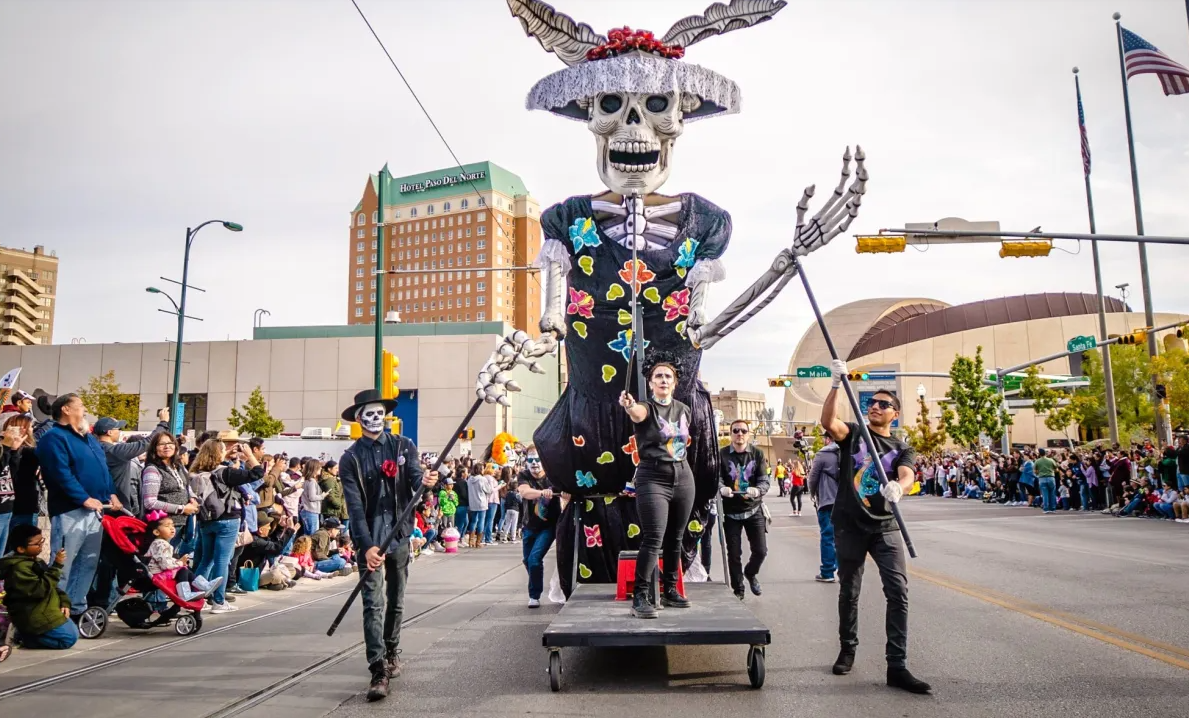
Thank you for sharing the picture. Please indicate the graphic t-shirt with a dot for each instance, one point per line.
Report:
(859, 504)
(542, 513)
(664, 433)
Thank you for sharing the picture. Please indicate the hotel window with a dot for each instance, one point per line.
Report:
(359, 246)
(464, 204)
(416, 294)
(481, 258)
(359, 286)
(468, 231)
(468, 261)
(359, 311)
(401, 256)
(413, 213)
(449, 303)
(359, 272)
(445, 206)
(450, 262)
(450, 236)
(373, 256)
(480, 301)
(359, 259)
(373, 284)
(459, 247)
(433, 305)
(372, 310)
(481, 230)
(468, 288)
(481, 244)
(499, 246)
(429, 209)
(391, 296)
(373, 216)
(468, 300)
(434, 251)
(451, 222)
(423, 306)
(372, 297)
(373, 231)
(359, 299)
(396, 214)
(359, 234)
(359, 220)
(482, 203)
(481, 316)
(374, 244)
(479, 287)
(480, 274)
(482, 216)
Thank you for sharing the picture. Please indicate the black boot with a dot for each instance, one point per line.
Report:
(846, 661)
(671, 598)
(392, 664)
(902, 679)
(641, 608)
(378, 690)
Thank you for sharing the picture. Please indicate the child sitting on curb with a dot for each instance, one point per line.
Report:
(38, 609)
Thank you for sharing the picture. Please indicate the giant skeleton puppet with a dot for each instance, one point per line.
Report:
(630, 249)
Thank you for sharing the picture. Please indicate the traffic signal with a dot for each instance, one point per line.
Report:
(857, 376)
(782, 382)
(1137, 337)
(389, 375)
(1025, 249)
(466, 435)
(880, 243)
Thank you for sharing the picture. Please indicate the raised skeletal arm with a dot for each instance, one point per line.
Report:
(831, 220)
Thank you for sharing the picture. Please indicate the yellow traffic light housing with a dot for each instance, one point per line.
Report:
(857, 376)
(1140, 336)
(781, 382)
(389, 375)
(880, 243)
(1025, 249)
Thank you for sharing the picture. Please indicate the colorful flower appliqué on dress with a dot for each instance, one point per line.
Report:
(631, 450)
(594, 536)
(623, 343)
(585, 479)
(685, 254)
(581, 303)
(675, 305)
(636, 274)
(584, 234)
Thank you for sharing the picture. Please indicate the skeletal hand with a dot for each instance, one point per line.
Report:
(518, 349)
(837, 213)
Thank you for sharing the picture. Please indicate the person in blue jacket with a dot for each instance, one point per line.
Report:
(74, 469)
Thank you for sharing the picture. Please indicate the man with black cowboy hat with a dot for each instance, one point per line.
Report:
(380, 473)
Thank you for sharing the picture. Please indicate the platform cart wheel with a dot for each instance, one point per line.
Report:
(93, 622)
(555, 670)
(755, 666)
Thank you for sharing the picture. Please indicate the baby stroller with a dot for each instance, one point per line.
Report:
(139, 595)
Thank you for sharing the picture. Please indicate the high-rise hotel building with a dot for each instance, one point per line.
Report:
(28, 289)
(460, 231)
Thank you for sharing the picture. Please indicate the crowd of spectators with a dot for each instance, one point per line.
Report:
(1137, 481)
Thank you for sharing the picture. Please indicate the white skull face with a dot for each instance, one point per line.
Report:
(635, 134)
(371, 418)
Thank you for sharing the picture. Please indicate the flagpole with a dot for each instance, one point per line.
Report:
(1139, 226)
(1107, 373)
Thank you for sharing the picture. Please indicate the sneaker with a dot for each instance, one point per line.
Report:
(229, 599)
(846, 661)
(534, 603)
(901, 678)
(236, 590)
(427, 550)
(291, 584)
(222, 608)
(792, 514)
(825, 579)
(378, 689)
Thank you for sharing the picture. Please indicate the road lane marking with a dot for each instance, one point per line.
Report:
(1107, 634)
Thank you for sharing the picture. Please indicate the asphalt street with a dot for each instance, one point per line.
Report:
(1011, 614)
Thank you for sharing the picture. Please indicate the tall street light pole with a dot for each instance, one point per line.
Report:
(177, 363)
(380, 274)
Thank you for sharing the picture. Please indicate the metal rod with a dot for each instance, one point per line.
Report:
(456, 269)
(404, 515)
(174, 281)
(722, 540)
(178, 421)
(854, 406)
(993, 236)
(1114, 340)
(577, 534)
(378, 305)
(1108, 374)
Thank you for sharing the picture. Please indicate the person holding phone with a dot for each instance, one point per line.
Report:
(743, 479)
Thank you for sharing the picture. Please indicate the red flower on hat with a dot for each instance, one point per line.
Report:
(624, 39)
(389, 468)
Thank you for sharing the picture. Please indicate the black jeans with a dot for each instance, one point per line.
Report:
(757, 530)
(664, 499)
(885, 548)
(795, 497)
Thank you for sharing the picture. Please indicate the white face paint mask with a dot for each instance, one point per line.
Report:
(371, 417)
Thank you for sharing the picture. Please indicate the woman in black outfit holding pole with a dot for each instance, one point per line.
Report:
(664, 484)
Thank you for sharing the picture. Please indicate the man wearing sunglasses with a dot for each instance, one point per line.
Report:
(863, 525)
(542, 508)
(743, 481)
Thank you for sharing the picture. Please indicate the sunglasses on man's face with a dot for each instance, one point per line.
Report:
(883, 404)
(739, 430)
(533, 460)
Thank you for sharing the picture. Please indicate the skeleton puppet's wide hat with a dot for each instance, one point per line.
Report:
(627, 60)
(365, 397)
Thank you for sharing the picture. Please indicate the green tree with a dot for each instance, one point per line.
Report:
(973, 408)
(1172, 368)
(255, 419)
(102, 397)
(819, 439)
(922, 436)
(1045, 400)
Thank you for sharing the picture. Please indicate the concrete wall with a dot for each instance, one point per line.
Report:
(306, 382)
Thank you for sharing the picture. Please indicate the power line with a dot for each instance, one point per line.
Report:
(511, 241)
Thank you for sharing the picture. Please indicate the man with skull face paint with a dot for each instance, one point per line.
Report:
(380, 473)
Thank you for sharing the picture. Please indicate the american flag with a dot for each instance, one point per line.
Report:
(1141, 57)
(1085, 138)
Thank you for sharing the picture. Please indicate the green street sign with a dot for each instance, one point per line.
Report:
(813, 372)
(1081, 344)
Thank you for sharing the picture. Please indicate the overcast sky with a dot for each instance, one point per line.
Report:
(125, 122)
